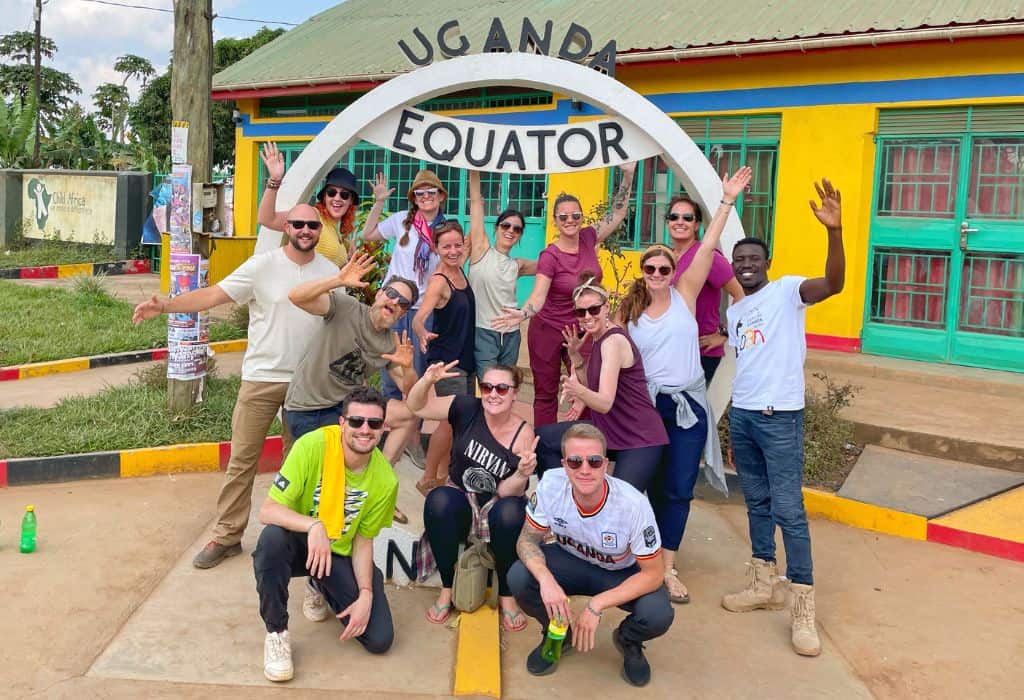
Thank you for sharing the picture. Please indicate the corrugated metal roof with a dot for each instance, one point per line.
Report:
(358, 39)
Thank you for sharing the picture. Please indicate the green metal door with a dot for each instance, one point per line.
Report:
(946, 272)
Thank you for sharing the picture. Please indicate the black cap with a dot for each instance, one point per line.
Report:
(343, 178)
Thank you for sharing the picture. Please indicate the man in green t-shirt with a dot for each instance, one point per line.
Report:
(295, 541)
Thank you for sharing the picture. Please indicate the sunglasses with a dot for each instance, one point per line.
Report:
(676, 217)
(336, 192)
(426, 192)
(581, 312)
(663, 270)
(357, 422)
(506, 226)
(576, 461)
(395, 295)
(499, 389)
(576, 216)
(299, 224)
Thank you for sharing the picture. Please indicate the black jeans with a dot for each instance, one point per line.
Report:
(448, 517)
(650, 615)
(281, 554)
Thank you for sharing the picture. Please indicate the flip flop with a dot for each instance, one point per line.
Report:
(513, 621)
(441, 613)
(672, 582)
(400, 517)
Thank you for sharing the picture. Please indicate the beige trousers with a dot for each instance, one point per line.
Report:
(255, 409)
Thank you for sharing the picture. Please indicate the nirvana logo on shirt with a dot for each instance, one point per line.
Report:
(483, 478)
(584, 549)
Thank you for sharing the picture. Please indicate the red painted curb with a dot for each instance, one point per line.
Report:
(9, 373)
(137, 267)
(38, 273)
(160, 354)
(269, 459)
(225, 454)
(3, 473)
(985, 544)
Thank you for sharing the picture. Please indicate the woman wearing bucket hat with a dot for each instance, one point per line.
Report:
(414, 256)
(336, 203)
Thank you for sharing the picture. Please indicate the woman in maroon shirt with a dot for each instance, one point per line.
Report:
(559, 267)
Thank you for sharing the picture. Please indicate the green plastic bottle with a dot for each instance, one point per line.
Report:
(28, 530)
(552, 649)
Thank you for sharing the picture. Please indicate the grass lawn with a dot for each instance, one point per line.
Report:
(121, 417)
(55, 253)
(44, 323)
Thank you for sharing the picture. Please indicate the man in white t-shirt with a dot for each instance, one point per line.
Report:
(766, 421)
(279, 332)
(606, 546)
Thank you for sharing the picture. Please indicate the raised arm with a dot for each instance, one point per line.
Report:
(268, 215)
(831, 217)
(314, 296)
(620, 204)
(693, 279)
(513, 317)
(190, 302)
(616, 353)
(435, 297)
(426, 403)
(478, 240)
(381, 192)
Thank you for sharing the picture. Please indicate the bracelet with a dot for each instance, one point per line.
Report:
(728, 204)
(315, 523)
(595, 612)
(273, 184)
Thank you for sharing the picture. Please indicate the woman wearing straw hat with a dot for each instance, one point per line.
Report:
(336, 204)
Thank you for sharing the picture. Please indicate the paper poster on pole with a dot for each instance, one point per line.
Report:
(180, 212)
(179, 142)
(186, 360)
(185, 277)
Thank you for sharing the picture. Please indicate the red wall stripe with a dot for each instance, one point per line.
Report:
(833, 342)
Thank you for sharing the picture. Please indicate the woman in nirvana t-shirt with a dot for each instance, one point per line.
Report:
(492, 460)
(550, 306)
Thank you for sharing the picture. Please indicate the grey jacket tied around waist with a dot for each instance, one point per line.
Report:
(714, 469)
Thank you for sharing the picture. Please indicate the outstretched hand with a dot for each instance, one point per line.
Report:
(830, 212)
(508, 320)
(151, 308)
(732, 187)
(380, 188)
(402, 356)
(439, 370)
(353, 272)
(273, 159)
(573, 341)
(425, 339)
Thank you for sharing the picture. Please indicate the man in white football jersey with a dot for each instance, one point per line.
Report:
(606, 546)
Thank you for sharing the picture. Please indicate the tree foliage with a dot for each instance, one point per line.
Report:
(17, 77)
(17, 122)
(21, 47)
(132, 66)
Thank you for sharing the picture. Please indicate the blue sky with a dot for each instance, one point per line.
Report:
(90, 36)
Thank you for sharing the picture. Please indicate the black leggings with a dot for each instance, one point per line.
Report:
(448, 517)
(636, 465)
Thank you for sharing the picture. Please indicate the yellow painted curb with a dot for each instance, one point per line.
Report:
(864, 515)
(39, 369)
(230, 345)
(171, 459)
(478, 656)
(74, 270)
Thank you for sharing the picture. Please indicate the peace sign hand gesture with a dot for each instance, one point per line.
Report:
(439, 370)
(402, 356)
(527, 458)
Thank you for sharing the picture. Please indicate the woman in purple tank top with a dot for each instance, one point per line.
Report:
(612, 385)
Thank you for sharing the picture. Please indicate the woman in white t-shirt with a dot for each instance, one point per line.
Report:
(660, 318)
(414, 256)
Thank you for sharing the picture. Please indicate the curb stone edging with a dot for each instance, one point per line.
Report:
(117, 267)
(78, 364)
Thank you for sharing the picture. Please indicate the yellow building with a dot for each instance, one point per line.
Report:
(914, 109)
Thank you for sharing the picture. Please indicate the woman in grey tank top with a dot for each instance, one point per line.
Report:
(492, 275)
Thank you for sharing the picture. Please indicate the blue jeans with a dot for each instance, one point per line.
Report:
(769, 456)
(419, 359)
(671, 490)
(301, 422)
(492, 347)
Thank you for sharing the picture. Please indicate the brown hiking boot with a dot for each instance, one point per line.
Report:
(764, 591)
(214, 553)
(805, 634)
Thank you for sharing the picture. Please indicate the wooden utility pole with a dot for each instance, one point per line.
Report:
(191, 84)
(37, 79)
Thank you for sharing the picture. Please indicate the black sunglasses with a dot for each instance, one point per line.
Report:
(337, 192)
(500, 389)
(299, 224)
(507, 226)
(685, 217)
(357, 422)
(592, 310)
(576, 461)
(395, 295)
(576, 216)
(663, 270)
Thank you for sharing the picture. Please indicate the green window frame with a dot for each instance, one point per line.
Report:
(728, 142)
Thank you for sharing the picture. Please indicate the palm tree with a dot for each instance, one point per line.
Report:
(17, 123)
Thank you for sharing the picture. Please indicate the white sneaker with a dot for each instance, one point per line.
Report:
(277, 657)
(314, 605)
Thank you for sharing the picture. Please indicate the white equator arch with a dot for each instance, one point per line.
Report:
(520, 69)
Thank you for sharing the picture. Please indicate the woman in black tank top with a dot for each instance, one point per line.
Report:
(450, 298)
(492, 461)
